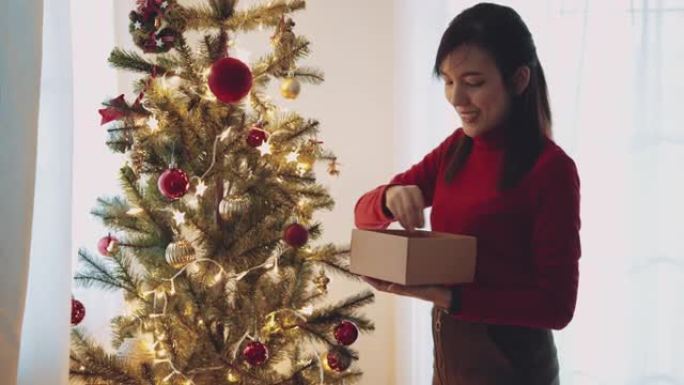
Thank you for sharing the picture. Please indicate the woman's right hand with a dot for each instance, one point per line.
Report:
(406, 204)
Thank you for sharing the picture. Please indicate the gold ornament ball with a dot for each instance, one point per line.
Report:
(290, 88)
(230, 206)
(179, 254)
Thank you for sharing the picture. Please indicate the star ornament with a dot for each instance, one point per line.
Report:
(265, 148)
(201, 188)
(153, 123)
(291, 157)
(179, 217)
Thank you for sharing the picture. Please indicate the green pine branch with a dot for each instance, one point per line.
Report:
(119, 143)
(113, 213)
(214, 47)
(259, 102)
(203, 17)
(338, 268)
(333, 313)
(124, 273)
(335, 259)
(90, 361)
(96, 272)
(299, 51)
(294, 178)
(303, 275)
(129, 184)
(296, 374)
(348, 377)
(296, 134)
(223, 9)
(189, 61)
(132, 61)
(309, 75)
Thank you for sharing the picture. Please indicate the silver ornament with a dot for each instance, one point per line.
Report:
(179, 254)
(230, 206)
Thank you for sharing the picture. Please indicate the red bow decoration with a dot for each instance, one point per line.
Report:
(114, 110)
(117, 108)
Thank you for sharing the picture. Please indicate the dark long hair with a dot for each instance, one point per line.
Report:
(501, 32)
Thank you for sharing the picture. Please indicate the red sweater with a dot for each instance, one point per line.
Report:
(528, 243)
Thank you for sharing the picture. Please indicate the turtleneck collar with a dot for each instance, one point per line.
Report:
(493, 139)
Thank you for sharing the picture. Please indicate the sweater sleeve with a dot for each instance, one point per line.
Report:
(550, 301)
(370, 211)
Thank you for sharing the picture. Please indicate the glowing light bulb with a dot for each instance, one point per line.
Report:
(134, 211)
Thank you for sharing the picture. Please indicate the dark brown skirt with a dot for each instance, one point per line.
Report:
(470, 353)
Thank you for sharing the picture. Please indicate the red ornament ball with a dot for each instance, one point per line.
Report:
(173, 183)
(346, 333)
(255, 353)
(230, 79)
(77, 312)
(337, 361)
(256, 137)
(296, 235)
(107, 245)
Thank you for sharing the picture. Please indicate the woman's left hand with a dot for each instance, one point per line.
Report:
(439, 295)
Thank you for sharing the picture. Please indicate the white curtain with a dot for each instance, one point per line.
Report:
(21, 24)
(614, 70)
(45, 333)
(73, 168)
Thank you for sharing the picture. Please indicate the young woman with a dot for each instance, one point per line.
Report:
(501, 178)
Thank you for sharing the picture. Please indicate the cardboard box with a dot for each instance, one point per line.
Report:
(413, 258)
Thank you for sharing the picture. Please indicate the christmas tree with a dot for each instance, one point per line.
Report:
(211, 242)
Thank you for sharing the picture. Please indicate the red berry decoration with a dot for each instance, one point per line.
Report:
(346, 333)
(256, 137)
(107, 245)
(255, 353)
(230, 79)
(77, 312)
(173, 183)
(296, 235)
(337, 361)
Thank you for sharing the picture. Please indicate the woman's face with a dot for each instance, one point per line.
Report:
(473, 85)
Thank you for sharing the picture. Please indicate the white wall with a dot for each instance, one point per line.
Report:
(353, 44)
